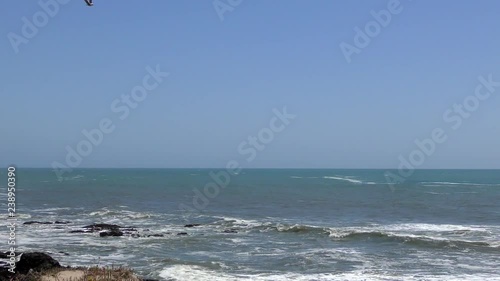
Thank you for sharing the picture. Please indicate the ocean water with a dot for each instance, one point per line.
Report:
(290, 224)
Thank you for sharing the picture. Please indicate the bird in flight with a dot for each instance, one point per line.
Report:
(89, 2)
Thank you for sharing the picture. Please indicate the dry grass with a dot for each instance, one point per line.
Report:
(81, 274)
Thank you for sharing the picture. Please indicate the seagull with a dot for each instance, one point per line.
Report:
(89, 2)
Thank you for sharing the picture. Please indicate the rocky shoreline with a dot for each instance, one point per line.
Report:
(107, 230)
(36, 265)
(41, 266)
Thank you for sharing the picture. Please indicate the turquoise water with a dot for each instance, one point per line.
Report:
(291, 224)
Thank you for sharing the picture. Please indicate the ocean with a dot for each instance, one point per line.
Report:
(266, 224)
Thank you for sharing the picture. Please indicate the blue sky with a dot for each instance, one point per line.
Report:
(227, 76)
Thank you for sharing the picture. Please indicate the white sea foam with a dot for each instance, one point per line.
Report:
(444, 183)
(410, 228)
(344, 179)
(5, 216)
(243, 222)
(435, 227)
(121, 214)
(436, 193)
(51, 210)
(198, 273)
(349, 179)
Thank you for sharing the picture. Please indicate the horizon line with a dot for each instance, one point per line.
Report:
(264, 168)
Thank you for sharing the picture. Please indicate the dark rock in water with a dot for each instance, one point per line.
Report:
(192, 225)
(102, 226)
(79, 231)
(106, 230)
(66, 254)
(62, 222)
(155, 235)
(182, 233)
(35, 261)
(230, 231)
(129, 229)
(136, 235)
(113, 232)
(38, 222)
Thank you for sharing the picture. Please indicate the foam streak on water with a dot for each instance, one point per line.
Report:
(270, 224)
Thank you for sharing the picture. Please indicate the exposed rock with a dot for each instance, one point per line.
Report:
(230, 231)
(137, 235)
(37, 222)
(129, 229)
(5, 275)
(156, 235)
(40, 262)
(192, 225)
(113, 232)
(35, 261)
(62, 222)
(106, 230)
(182, 233)
(79, 231)
(102, 226)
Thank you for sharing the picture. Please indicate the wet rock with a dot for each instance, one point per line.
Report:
(137, 235)
(5, 275)
(192, 225)
(79, 231)
(37, 222)
(129, 229)
(182, 233)
(35, 261)
(156, 235)
(102, 226)
(230, 231)
(106, 230)
(62, 222)
(113, 232)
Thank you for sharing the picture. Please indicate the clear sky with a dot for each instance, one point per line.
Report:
(226, 76)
